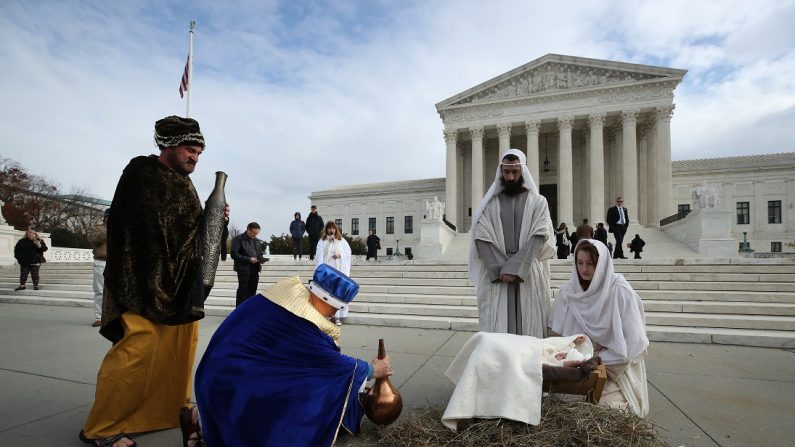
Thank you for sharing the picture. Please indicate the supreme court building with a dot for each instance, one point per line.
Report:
(592, 130)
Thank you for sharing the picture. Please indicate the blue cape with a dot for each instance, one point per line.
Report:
(271, 378)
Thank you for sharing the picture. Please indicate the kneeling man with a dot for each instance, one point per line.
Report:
(273, 373)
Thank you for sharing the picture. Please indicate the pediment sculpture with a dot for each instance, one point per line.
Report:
(551, 77)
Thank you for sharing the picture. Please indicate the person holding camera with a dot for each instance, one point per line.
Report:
(248, 257)
(29, 252)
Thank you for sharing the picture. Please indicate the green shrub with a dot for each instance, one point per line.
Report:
(62, 237)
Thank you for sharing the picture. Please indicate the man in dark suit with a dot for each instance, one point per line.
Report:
(618, 222)
(314, 226)
(247, 254)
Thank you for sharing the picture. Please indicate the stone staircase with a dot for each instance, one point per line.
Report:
(723, 301)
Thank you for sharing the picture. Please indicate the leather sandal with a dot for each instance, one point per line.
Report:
(106, 442)
(191, 431)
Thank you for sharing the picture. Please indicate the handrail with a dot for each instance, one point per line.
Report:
(444, 219)
(671, 219)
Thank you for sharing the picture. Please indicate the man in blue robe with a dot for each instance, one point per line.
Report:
(273, 373)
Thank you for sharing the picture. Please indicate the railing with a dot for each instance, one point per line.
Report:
(444, 219)
(60, 254)
(671, 219)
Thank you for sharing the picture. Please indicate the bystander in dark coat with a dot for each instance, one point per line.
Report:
(636, 246)
(247, 254)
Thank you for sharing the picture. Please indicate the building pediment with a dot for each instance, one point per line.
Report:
(554, 74)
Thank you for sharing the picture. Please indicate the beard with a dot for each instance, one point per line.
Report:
(183, 166)
(513, 188)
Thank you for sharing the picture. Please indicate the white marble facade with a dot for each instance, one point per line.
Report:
(381, 201)
(603, 126)
(760, 186)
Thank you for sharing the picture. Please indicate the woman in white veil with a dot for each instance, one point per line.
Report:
(601, 304)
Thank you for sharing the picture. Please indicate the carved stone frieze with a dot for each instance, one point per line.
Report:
(553, 77)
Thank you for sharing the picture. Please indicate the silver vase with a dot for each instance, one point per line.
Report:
(211, 231)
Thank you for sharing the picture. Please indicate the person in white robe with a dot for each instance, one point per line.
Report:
(512, 239)
(601, 304)
(501, 375)
(334, 250)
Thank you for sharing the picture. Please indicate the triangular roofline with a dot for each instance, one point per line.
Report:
(665, 73)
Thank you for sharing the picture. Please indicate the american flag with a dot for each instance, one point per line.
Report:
(183, 86)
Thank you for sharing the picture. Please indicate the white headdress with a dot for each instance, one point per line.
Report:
(475, 264)
(609, 312)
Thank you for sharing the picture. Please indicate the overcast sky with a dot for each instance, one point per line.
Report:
(299, 96)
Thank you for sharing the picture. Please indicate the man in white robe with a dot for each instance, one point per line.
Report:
(512, 239)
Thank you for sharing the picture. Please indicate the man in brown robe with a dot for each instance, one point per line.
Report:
(511, 242)
(150, 277)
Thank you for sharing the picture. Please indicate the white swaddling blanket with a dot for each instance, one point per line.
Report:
(499, 376)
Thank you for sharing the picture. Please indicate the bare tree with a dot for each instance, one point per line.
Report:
(32, 201)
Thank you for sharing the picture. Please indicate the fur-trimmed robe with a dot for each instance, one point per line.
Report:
(152, 266)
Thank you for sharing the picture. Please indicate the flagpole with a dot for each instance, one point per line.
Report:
(190, 66)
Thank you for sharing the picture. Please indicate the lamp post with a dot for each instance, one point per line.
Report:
(745, 245)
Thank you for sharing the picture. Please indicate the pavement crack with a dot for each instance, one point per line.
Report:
(427, 359)
(47, 377)
(683, 413)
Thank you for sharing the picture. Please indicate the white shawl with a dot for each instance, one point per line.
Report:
(498, 376)
(326, 247)
(609, 312)
(535, 292)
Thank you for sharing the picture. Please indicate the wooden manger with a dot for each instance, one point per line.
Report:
(591, 387)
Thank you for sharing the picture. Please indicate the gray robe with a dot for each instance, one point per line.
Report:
(519, 249)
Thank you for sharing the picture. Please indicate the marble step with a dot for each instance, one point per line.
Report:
(713, 307)
(710, 334)
(708, 295)
(433, 310)
(696, 277)
(723, 336)
(79, 286)
(47, 300)
(763, 322)
(424, 322)
(652, 266)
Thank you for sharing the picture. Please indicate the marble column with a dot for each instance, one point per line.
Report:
(643, 177)
(531, 129)
(451, 181)
(651, 171)
(665, 205)
(477, 166)
(596, 174)
(504, 134)
(565, 180)
(614, 139)
(629, 163)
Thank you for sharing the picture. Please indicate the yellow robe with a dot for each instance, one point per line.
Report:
(144, 379)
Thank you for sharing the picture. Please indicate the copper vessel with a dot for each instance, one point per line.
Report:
(382, 403)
